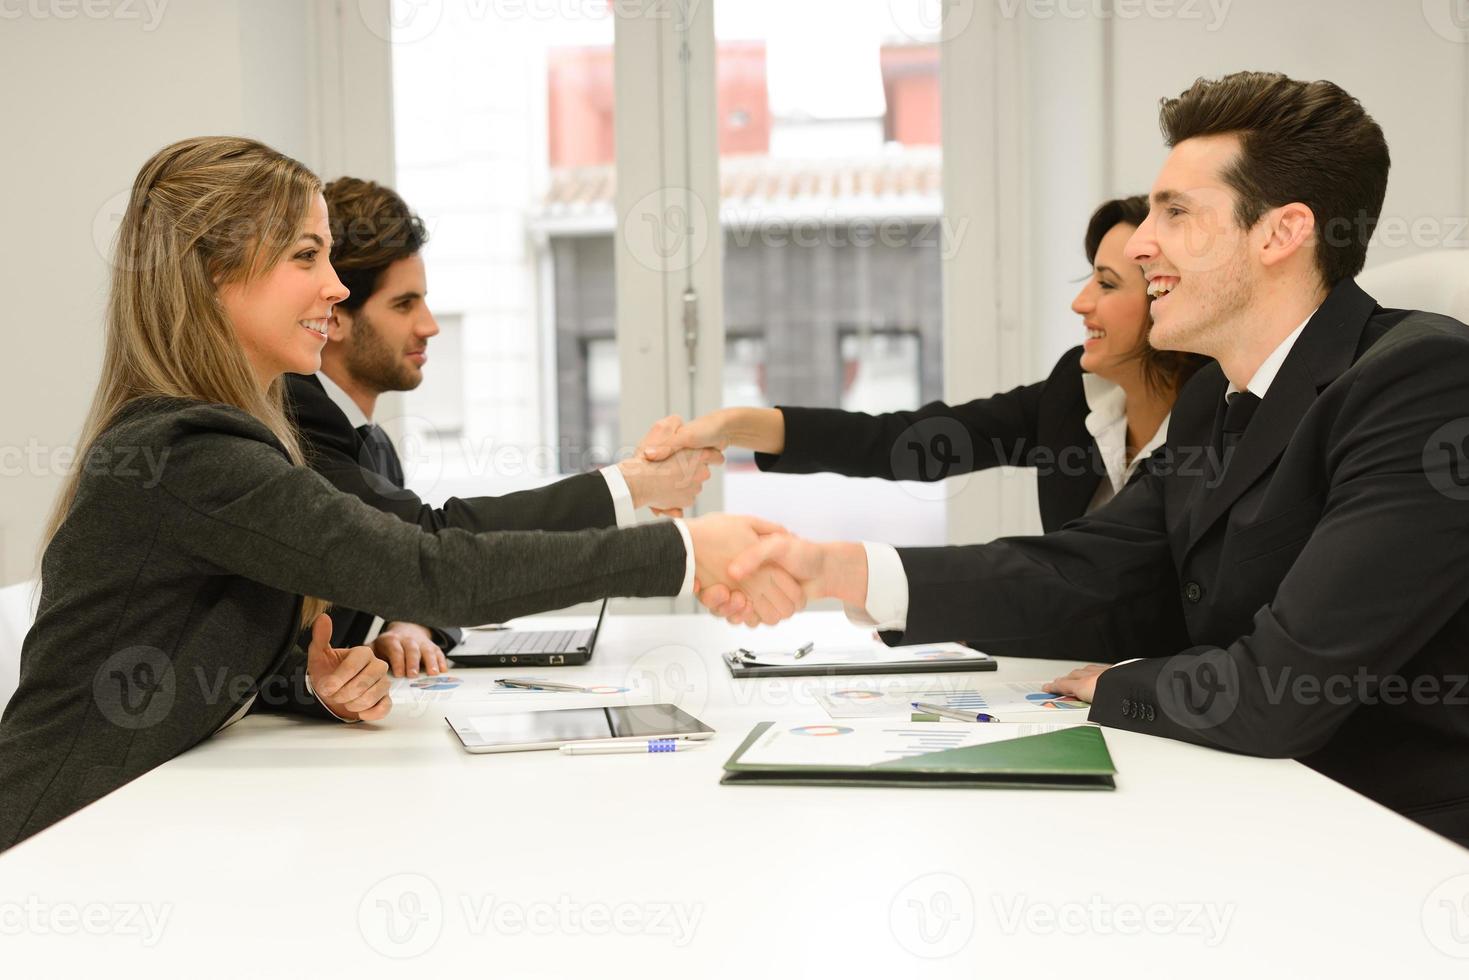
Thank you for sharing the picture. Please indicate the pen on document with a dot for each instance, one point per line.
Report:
(942, 712)
(804, 649)
(535, 685)
(651, 746)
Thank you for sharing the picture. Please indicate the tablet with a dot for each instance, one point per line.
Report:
(522, 731)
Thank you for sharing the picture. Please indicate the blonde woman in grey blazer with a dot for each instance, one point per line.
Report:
(191, 545)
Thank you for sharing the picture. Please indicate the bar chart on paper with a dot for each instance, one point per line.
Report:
(1002, 700)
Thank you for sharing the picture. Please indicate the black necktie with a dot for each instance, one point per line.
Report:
(1237, 415)
(380, 456)
(1238, 410)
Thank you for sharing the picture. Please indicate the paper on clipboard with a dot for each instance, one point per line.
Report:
(840, 656)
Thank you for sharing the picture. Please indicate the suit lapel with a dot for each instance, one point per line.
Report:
(1324, 350)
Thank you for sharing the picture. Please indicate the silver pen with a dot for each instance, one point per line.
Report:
(535, 685)
(804, 649)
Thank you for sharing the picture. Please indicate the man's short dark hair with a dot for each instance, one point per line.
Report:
(372, 227)
(1306, 142)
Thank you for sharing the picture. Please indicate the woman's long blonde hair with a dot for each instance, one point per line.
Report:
(203, 212)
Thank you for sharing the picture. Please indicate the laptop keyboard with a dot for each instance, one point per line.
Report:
(541, 641)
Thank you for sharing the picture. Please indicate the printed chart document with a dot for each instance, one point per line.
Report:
(866, 744)
(478, 684)
(875, 700)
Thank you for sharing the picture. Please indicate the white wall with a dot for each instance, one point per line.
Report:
(1413, 80)
(87, 101)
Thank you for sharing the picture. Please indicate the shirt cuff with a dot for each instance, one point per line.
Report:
(687, 589)
(887, 590)
(306, 678)
(621, 496)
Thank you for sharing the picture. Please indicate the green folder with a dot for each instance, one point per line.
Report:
(1072, 758)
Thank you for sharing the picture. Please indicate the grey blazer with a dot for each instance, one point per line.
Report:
(172, 591)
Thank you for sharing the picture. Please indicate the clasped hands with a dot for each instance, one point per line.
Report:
(749, 570)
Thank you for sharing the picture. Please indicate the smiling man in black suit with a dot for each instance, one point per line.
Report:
(377, 342)
(1307, 525)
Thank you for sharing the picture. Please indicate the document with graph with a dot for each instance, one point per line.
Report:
(874, 699)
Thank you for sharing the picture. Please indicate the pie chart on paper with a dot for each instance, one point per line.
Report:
(821, 730)
(1058, 701)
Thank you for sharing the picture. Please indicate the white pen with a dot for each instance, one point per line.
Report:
(535, 685)
(651, 746)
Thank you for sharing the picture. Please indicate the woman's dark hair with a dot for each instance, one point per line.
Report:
(1163, 370)
(372, 227)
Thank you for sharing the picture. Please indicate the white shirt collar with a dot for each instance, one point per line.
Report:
(1270, 367)
(343, 401)
(1107, 422)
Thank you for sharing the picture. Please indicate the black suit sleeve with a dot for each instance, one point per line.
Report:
(331, 447)
(1107, 577)
(284, 690)
(1380, 575)
(934, 442)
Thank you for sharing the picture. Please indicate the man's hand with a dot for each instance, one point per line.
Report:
(769, 594)
(662, 477)
(406, 646)
(672, 484)
(351, 682)
(835, 569)
(1080, 683)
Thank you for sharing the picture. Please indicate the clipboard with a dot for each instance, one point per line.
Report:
(918, 660)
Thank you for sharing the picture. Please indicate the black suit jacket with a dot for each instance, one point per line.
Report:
(1310, 603)
(1041, 425)
(336, 450)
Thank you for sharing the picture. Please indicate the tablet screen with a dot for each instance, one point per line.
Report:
(551, 728)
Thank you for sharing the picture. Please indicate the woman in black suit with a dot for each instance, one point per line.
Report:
(1087, 428)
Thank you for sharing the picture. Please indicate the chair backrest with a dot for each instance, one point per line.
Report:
(17, 610)
(1434, 281)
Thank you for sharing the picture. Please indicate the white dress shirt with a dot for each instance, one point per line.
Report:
(1264, 375)
(887, 583)
(1107, 422)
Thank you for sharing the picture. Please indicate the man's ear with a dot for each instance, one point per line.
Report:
(339, 327)
(1288, 229)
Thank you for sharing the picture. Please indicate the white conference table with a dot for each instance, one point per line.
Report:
(287, 848)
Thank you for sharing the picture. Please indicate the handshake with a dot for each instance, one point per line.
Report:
(747, 570)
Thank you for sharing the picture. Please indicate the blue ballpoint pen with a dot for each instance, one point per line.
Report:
(942, 712)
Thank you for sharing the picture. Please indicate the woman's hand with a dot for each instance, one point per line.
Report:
(760, 429)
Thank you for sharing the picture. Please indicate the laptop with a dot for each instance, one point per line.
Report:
(499, 646)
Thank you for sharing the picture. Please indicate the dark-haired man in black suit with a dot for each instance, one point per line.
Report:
(1308, 522)
(378, 342)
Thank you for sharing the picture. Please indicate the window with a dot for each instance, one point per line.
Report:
(831, 205)
(504, 145)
